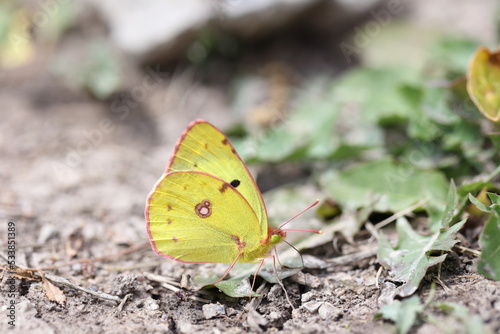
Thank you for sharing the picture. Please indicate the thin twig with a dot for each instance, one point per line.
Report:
(372, 230)
(64, 281)
(162, 279)
(255, 302)
(122, 303)
(465, 250)
(441, 283)
(171, 285)
(399, 214)
(377, 277)
(353, 257)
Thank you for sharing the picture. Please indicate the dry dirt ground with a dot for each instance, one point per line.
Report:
(75, 175)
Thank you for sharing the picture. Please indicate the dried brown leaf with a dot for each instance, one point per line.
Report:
(52, 292)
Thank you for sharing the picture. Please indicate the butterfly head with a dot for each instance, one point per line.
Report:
(276, 235)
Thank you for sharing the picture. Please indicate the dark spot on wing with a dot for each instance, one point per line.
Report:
(235, 183)
(225, 185)
(239, 243)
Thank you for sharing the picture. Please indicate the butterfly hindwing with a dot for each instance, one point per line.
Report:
(196, 217)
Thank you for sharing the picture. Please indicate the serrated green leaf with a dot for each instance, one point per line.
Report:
(445, 240)
(451, 204)
(402, 313)
(489, 262)
(410, 259)
(495, 200)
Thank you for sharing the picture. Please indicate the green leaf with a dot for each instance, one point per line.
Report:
(237, 287)
(269, 274)
(329, 134)
(473, 187)
(464, 321)
(494, 207)
(378, 94)
(495, 200)
(489, 262)
(234, 287)
(451, 204)
(478, 204)
(402, 313)
(395, 186)
(410, 259)
(477, 186)
(453, 54)
(239, 284)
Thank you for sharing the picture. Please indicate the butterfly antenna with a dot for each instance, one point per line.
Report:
(301, 258)
(298, 214)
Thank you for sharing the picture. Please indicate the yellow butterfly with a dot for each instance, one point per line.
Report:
(206, 207)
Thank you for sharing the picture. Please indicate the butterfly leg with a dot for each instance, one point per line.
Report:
(279, 279)
(228, 269)
(255, 275)
(277, 257)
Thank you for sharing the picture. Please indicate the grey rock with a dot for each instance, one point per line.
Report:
(153, 30)
(213, 310)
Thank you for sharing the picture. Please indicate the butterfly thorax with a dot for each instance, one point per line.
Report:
(274, 237)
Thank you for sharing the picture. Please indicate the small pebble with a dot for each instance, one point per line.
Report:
(328, 311)
(274, 315)
(306, 296)
(231, 311)
(213, 310)
(312, 306)
(93, 287)
(150, 304)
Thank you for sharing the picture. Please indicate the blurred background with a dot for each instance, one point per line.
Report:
(361, 104)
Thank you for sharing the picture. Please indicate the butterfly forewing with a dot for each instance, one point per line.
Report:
(204, 148)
